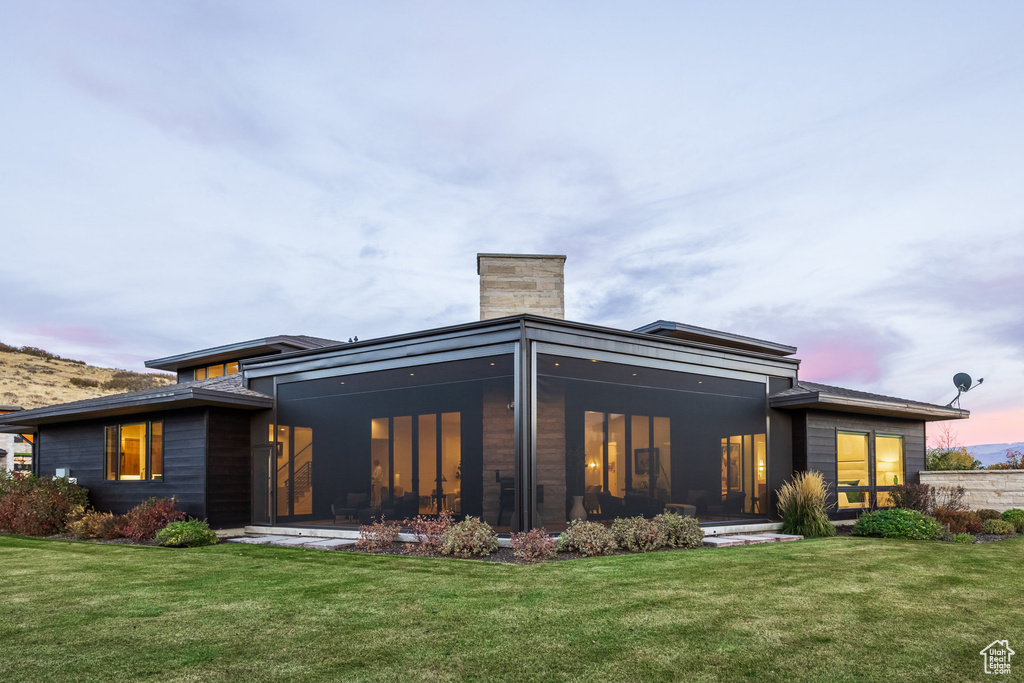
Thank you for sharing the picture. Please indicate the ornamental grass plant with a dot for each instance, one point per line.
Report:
(803, 506)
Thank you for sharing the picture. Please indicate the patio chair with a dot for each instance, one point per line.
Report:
(350, 505)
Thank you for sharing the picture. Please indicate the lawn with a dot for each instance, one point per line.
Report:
(831, 609)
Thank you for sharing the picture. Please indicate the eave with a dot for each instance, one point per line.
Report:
(816, 400)
(175, 398)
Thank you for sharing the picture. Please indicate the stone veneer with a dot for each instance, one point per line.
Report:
(511, 284)
(995, 489)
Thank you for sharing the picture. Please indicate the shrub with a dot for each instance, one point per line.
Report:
(586, 538)
(949, 497)
(803, 506)
(680, 532)
(145, 519)
(36, 506)
(94, 524)
(123, 380)
(987, 513)
(190, 534)
(999, 527)
(472, 537)
(429, 531)
(1014, 516)
(638, 534)
(378, 536)
(83, 382)
(950, 459)
(534, 545)
(964, 538)
(898, 523)
(1014, 461)
(912, 497)
(959, 521)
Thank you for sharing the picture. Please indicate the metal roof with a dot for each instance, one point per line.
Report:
(247, 349)
(825, 397)
(674, 330)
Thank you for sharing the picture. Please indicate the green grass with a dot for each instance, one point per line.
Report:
(838, 609)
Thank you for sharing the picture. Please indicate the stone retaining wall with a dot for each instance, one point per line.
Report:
(996, 489)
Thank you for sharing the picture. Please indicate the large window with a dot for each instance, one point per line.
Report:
(402, 442)
(867, 465)
(218, 370)
(852, 471)
(617, 440)
(294, 470)
(134, 452)
(421, 456)
(888, 467)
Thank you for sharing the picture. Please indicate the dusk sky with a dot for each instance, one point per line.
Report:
(847, 178)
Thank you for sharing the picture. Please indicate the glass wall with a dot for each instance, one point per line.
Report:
(403, 442)
(617, 440)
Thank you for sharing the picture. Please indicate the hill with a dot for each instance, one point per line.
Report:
(991, 453)
(33, 378)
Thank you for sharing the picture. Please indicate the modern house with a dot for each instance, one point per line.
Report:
(522, 417)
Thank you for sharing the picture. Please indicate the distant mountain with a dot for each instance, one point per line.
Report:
(991, 453)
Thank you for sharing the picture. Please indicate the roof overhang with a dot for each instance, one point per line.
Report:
(229, 352)
(674, 330)
(175, 398)
(909, 410)
(496, 332)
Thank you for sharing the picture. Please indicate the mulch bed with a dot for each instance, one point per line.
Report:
(505, 555)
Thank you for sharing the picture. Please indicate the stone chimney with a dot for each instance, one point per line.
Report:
(511, 284)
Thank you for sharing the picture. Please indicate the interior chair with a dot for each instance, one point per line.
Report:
(506, 497)
(349, 506)
(611, 506)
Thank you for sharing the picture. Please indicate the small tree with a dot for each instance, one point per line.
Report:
(948, 453)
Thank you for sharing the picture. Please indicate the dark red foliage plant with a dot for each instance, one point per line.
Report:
(430, 531)
(145, 519)
(36, 506)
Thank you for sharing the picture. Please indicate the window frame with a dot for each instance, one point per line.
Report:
(873, 488)
(225, 369)
(114, 473)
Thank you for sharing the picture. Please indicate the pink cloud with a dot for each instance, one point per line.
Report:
(987, 427)
(91, 337)
(839, 357)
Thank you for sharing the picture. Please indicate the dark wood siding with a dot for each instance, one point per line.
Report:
(79, 446)
(780, 445)
(821, 428)
(227, 468)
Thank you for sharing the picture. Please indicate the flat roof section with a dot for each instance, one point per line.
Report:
(674, 330)
(253, 348)
(824, 397)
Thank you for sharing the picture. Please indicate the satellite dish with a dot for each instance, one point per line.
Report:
(962, 381)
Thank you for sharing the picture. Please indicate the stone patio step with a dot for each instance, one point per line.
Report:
(256, 540)
(329, 543)
(747, 539)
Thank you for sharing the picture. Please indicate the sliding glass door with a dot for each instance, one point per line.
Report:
(419, 454)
